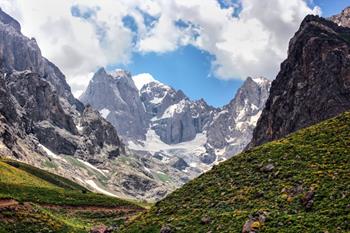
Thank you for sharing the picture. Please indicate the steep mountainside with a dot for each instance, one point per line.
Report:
(174, 118)
(43, 125)
(33, 200)
(232, 127)
(117, 99)
(296, 184)
(43, 100)
(313, 84)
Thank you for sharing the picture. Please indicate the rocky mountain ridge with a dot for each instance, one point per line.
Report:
(190, 136)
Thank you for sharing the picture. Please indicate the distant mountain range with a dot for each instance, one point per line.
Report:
(156, 119)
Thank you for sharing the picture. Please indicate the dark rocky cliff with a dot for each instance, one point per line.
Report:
(313, 84)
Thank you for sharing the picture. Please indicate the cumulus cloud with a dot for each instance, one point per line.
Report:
(246, 37)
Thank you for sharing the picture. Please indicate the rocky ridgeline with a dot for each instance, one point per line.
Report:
(314, 81)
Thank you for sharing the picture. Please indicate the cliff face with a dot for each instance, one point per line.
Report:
(313, 84)
(42, 99)
(233, 126)
(116, 97)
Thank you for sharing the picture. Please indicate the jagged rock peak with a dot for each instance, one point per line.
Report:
(118, 73)
(8, 20)
(342, 19)
(313, 84)
(117, 98)
(101, 71)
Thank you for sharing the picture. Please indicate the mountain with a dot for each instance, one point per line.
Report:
(296, 184)
(44, 104)
(232, 127)
(181, 137)
(42, 124)
(115, 96)
(33, 200)
(313, 84)
(342, 19)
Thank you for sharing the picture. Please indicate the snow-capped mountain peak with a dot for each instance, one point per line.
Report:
(141, 80)
(150, 114)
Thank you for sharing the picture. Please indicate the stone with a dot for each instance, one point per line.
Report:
(307, 200)
(166, 229)
(205, 220)
(268, 168)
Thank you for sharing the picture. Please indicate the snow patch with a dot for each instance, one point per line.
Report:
(80, 128)
(98, 189)
(141, 80)
(105, 112)
(92, 167)
(254, 119)
(157, 100)
(154, 144)
(50, 153)
(175, 108)
(146, 169)
(219, 114)
(260, 81)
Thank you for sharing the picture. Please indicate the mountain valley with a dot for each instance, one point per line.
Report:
(133, 154)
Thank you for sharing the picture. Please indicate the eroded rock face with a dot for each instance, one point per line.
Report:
(313, 84)
(342, 19)
(117, 98)
(19, 53)
(38, 101)
(232, 127)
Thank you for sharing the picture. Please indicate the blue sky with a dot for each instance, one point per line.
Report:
(190, 69)
(192, 45)
(331, 7)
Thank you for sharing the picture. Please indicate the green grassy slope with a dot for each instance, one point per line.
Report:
(50, 203)
(47, 176)
(308, 190)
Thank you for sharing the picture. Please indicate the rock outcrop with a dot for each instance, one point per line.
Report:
(313, 84)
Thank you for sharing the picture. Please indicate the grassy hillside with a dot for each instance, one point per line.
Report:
(47, 176)
(297, 184)
(33, 200)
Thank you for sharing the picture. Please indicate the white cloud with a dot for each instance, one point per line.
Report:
(252, 44)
